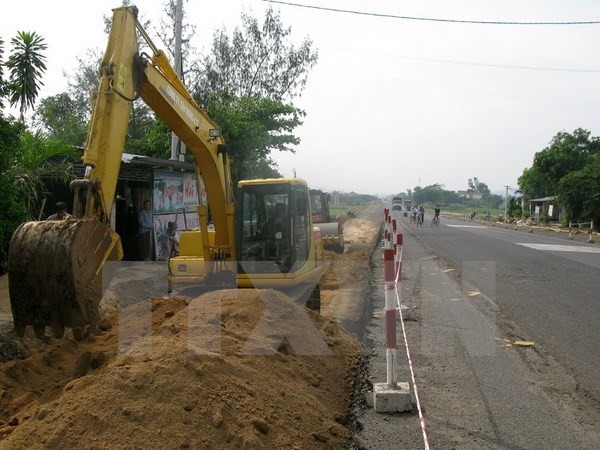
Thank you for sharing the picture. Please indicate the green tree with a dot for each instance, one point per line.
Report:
(26, 64)
(253, 127)
(566, 153)
(477, 186)
(65, 117)
(62, 119)
(257, 61)
(579, 191)
(83, 82)
(429, 194)
(3, 83)
(514, 207)
(494, 200)
(13, 210)
(434, 194)
(38, 160)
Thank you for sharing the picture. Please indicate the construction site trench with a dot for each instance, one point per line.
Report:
(273, 374)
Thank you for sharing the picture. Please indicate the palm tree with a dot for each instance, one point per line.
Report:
(26, 64)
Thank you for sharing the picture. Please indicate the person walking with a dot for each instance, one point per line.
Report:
(145, 231)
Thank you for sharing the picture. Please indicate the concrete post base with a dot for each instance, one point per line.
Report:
(387, 399)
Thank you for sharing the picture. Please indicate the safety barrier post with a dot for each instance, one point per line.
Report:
(388, 234)
(590, 240)
(391, 396)
(393, 235)
(391, 344)
(398, 254)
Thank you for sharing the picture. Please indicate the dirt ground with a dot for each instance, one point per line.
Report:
(228, 369)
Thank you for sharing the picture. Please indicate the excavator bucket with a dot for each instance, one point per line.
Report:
(55, 274)
(333, 236)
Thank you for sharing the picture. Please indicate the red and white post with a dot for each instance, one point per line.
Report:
(398, 256)
(391, 343)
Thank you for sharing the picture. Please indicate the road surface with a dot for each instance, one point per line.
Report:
(504, 341)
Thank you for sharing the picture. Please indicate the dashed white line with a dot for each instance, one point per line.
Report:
(560, 248)
(466, 226)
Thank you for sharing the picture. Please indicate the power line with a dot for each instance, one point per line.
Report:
(431, 19)
(466, 63)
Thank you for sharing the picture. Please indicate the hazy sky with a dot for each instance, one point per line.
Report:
(393, 103)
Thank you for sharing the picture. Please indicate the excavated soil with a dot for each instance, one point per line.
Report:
(228, 369)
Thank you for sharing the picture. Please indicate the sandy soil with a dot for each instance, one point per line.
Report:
(228, 369)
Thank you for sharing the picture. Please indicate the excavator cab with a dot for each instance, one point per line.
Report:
(274, 227)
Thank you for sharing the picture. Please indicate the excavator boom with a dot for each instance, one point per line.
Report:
(55, 267)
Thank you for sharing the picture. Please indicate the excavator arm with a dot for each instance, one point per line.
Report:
(55, 268)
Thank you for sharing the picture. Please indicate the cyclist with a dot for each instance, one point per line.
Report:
(436, 216)
(413, 217)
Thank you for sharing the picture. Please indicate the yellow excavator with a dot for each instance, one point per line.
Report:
(56, 267)
(333, 233)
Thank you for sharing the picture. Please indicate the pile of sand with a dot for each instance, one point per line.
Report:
(229, 369)
(234, 369)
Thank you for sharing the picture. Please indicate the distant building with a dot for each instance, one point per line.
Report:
(545, 207)
(474, 195)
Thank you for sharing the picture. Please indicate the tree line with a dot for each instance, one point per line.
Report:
(569, 168)
(247, 82)
(478, 195)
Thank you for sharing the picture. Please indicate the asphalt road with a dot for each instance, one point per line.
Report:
(549, 286)
(503, 338)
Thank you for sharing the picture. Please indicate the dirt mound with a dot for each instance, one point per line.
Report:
(229, 369)
(236, 369)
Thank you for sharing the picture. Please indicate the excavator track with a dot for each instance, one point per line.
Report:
(55, 274)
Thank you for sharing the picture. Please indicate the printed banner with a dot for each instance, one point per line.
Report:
(168, 192)
(190, 192)
(166, 238)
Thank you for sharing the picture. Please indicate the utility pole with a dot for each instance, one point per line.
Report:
(506, 204)
(177, 147)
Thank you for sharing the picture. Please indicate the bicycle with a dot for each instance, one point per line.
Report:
(435, 221)
(419, 220)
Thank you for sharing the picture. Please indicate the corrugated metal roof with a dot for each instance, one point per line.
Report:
(545, 199)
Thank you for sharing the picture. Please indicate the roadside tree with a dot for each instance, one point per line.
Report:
(257, 61)
(37, 161)
(569, 168)
(62, 119)
(567, 153)
(253, 127)
(580, 192)
(13, 209)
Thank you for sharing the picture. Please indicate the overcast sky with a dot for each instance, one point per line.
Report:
(393, 103)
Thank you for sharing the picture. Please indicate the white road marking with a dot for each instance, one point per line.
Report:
(560, 248)
(466, 226)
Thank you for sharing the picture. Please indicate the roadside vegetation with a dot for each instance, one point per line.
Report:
(568, 170)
